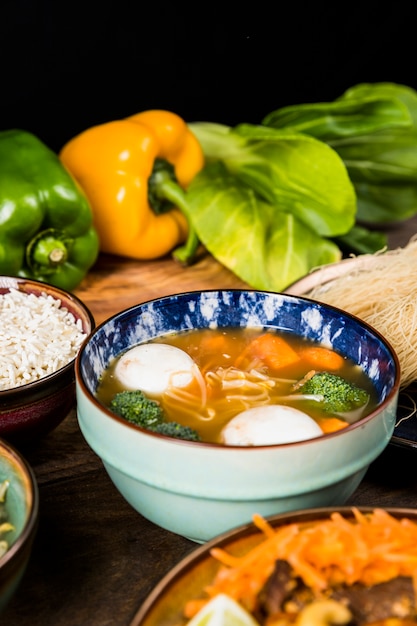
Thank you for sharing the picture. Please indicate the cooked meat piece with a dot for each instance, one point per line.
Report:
(285, 593)
(281, 587)
(276, 589)
(394, 598)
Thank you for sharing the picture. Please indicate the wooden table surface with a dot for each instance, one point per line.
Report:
(94, 558)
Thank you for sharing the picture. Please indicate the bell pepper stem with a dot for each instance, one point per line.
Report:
(50, 253)
(47, 250)
(171, 190)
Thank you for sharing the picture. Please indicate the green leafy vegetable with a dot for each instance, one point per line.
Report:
(330, 121)
(307, 185)
(293, 172)
(373, 128)
(267, 202)
(361, 240)
(266, 247)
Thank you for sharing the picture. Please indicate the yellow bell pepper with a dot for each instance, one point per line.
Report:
(134, 172)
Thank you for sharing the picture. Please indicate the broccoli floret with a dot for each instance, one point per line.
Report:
(173, 429)
(334, 393)
(137, 408)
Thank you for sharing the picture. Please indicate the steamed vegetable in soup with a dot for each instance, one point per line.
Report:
(216, 382)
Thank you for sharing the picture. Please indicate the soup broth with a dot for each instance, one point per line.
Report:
(238, 369)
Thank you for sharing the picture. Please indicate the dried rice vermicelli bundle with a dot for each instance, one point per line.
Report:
(382, 292)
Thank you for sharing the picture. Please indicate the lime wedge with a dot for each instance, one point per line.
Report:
(223, 611)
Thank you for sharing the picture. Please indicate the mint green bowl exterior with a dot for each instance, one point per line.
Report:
(201, 490)
(22, 506)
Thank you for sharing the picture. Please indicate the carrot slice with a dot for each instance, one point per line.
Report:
(331, 424)
(272, 351)
(213, 343)
(322, 358)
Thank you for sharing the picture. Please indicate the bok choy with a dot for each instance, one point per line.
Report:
(265, 246)
(268, 202)
(308, 184)
(373, 128)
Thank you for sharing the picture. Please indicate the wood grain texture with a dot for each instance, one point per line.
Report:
(95, 559)
(115, 283)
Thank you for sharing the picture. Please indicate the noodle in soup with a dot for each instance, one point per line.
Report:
(238, 369)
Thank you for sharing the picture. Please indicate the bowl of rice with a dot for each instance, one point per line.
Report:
(42, 328)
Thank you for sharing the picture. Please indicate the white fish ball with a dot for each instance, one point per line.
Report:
(153, 368)
(268, 425)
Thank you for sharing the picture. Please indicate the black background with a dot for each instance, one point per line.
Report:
(68, 66)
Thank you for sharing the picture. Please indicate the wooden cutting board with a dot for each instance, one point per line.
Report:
(115, 283)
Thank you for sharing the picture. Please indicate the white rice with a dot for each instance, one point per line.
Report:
(37, 337)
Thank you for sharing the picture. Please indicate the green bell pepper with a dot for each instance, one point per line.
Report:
(46, 224)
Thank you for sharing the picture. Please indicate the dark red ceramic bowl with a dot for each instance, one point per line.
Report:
(29, 411)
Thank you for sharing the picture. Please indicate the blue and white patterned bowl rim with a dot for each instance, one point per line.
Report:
(240, 308)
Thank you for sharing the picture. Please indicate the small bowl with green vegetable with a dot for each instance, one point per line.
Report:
(19, 511)
(209, 406)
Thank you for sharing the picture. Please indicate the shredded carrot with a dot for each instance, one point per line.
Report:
(193, 607)
(365, 548)
(271, 350)
(322, 358)
(331, 424)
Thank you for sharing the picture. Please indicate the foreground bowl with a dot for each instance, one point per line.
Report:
(22, 508)
(33, 409)
(188, 579)
(200, 490)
